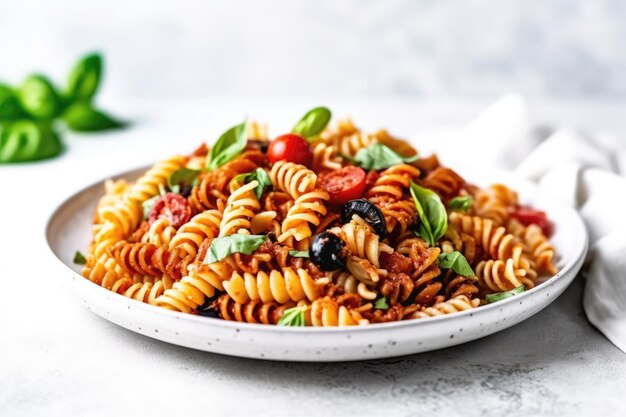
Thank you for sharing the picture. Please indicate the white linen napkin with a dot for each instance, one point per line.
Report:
(585, 171)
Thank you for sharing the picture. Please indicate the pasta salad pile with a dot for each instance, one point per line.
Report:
(323, 226)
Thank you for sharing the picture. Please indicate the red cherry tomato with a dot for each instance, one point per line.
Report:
(527, 215)
(173, 208)
(343, 185)
(291, 148)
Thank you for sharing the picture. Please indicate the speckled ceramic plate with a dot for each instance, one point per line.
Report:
(69, 229)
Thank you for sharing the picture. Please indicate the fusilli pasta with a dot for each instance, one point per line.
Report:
(267, 236)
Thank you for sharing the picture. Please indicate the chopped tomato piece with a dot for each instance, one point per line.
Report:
(343, 185)
(172, 207)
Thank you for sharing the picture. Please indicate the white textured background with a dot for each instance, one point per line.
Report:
(561, 48)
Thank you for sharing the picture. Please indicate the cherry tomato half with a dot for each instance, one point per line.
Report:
(292, 148)
(173, 208)
(343, 185)
(527, 215)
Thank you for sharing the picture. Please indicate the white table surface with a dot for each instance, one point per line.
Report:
(58, 359)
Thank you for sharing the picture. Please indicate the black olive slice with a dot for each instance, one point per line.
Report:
(328, 252)
(368, 211)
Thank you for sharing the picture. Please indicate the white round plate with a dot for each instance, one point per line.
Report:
(69, 229)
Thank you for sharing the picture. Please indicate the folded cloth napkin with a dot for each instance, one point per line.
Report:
(585, 171)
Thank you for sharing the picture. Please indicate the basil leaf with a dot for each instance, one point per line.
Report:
(378, 156)
(456, 262)
(492, 298)
(183, 177)
(39, 98)
(313, 123)
(147, 206)
(432, 214)
(84, 79)
(82, 117)
(381, 304)
(27, 140)
(463, 203)
(79, 258)
(299, 253)
(10, 108)
(293, 317)
(228, 146)
(261, 176)
(221, 247)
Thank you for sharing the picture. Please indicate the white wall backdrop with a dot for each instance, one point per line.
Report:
(560, 48)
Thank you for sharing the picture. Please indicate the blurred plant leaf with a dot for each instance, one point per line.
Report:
(84, 79)
(10, 108)
(39, 98)
(82, 117)
(27, 140)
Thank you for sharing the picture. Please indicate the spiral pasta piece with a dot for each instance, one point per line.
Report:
(213, 190)
(350, 145)
(536, 244)
(361, 241)
(250, 312)
(444, 181)
(392, 183)
(453, 305)
(326, 312)
(495, 241)
(352, 285)
(146, 291)
(274, 286)
(193, 289)
(122, 217)
(306, 210)
(425, 271)
(190, 236)
(160, 233)
(325, 158)
(241, 207)
(497, 275)
(495, 202)
(113, 194)
(136, 258)
(399, 215)
(148, 185)
(296, 180)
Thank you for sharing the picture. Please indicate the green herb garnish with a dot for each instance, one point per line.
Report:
(299, 253)
(381, 304)
(313, 123)
(432, 214)
(183, 177)
(463, 203)
(224, 246)
(492, 298)
(378, 156)
(456, 262)
(79, 258)
(259, 175)
(293, 317)
(230, 145)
